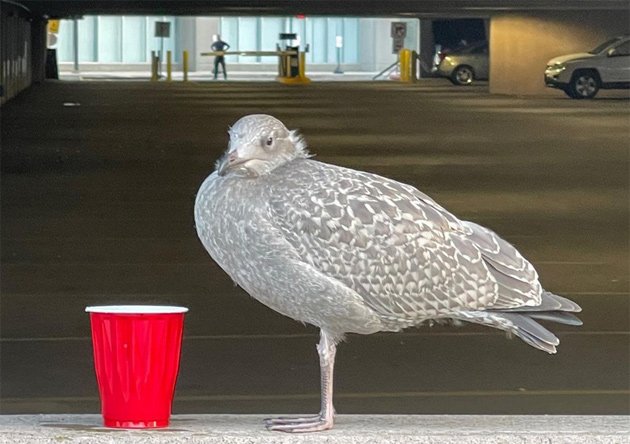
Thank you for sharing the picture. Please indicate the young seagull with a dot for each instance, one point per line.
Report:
(352, 252)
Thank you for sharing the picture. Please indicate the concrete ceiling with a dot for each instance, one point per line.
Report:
(428, 8)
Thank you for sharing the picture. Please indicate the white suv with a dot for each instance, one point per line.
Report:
(582, 75)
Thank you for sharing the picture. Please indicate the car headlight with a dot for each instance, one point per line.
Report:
(447, 63)
(555, 68)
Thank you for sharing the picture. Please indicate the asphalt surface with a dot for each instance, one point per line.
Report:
(97, 192)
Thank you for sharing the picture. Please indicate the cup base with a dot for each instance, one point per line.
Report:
(118, 424)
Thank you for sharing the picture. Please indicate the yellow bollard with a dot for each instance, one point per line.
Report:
(169, 66)
(404, 58)
(153, 67)
(185, 65)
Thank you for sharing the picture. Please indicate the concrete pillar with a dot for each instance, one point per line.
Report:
(522, 43)
(75, 44)
(427, 47)
(22, 50)
(38, 49)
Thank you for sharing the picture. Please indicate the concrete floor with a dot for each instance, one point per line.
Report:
(349, 429)
(97, 203)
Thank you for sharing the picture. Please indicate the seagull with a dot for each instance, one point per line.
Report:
(353, 252)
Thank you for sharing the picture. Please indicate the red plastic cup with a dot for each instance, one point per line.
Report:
(136, 356)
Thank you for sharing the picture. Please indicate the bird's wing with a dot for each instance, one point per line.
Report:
(404, 254)
(517, 280)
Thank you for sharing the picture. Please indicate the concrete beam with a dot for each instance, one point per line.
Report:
(522, 43)
(374, 8)
(438, 429)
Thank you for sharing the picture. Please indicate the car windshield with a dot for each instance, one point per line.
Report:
(604, 45)
(468, 49)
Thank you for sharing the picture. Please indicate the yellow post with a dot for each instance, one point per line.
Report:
(405, 65)
(185, 65)
(154, 76)
(169, 66)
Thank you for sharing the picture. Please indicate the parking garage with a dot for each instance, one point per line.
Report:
(98, 186)
(523, 36)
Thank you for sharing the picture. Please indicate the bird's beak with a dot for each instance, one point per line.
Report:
(228, 160)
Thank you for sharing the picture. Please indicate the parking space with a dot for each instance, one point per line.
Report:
(98, 186)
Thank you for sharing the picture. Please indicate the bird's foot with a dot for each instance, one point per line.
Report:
(315, 423)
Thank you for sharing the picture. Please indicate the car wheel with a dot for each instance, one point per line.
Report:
(584, 84)
(463, 75)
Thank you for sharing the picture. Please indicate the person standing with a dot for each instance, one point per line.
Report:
(219, 46)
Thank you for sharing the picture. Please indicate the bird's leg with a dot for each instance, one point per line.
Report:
(324, 421)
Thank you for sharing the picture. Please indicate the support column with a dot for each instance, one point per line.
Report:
(75, 44)
(427, 47)
(38, 49)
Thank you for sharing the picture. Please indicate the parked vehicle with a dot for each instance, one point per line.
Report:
(463, 65)
(582, 75)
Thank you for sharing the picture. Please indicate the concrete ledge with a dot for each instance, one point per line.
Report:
(438, 429)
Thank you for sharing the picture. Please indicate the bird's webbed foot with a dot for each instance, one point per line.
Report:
(314, 423)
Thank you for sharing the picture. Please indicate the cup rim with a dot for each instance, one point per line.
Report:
(136, 309)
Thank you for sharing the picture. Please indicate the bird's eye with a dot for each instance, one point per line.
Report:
(269, 141)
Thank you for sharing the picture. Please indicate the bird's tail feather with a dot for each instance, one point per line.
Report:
(531, 331)
(521, 321)
(561, 317)
(548, 302)
(524, 325)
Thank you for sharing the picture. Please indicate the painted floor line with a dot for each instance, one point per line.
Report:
(401, 336)
(367, 395)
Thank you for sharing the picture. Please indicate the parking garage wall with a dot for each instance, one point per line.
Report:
(522, 44)
(20, 64)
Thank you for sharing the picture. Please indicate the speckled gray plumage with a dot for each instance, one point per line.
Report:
(351, 251)
(354, 252)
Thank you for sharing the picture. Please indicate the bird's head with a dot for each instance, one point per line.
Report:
(259, 144)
